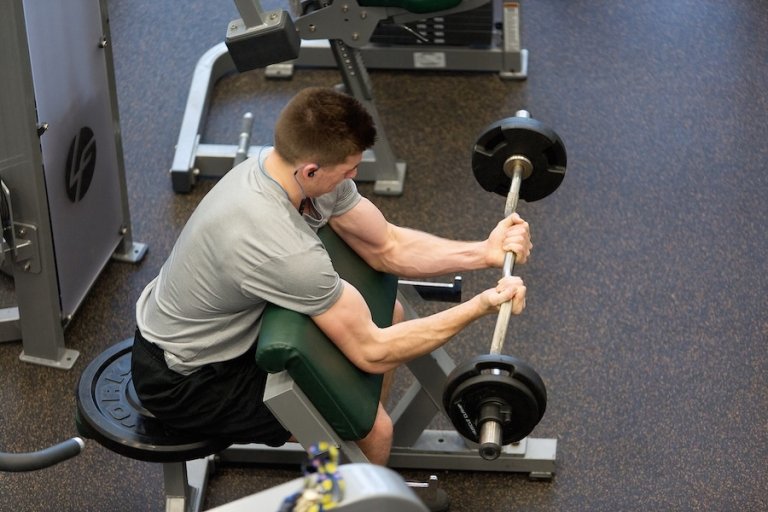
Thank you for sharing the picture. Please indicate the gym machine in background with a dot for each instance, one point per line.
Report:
(352, 36)
(63, 199)
(485, 38)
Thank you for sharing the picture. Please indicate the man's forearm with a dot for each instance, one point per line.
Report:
(408, 340)
(418, 254)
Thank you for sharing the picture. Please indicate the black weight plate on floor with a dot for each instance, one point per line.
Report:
(109, 412)
(518, 384)
(519, 136)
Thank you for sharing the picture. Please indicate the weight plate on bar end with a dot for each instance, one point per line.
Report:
(525, 137)
(501, 378)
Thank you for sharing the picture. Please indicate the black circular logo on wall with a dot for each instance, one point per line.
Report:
(81, 162)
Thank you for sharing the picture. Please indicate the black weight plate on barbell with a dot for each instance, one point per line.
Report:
(468, 398)
(522, 378)
(519, 136)
(522, 370)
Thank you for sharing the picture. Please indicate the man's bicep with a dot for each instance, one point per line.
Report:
(365, 229)
(349, 325)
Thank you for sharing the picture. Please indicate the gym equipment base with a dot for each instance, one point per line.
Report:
(317, 54)
(193, 159)
(133, 254)
(65, 361)
(434, 450)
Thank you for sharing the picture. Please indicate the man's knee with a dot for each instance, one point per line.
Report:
(383, 428)
(377, 444)
(398, 313)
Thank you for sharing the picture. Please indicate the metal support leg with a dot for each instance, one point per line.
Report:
(447, 450)
(184, 484)
(209, 69)
(515, 59)
(194, 159)
(127, 251)
(379, 165)
(291, 405)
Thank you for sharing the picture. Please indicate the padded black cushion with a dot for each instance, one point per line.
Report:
(344, 395)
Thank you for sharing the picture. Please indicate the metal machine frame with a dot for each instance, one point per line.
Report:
(505, 56)
(194, 159)
(336, 36)
(28, 247)
(414, 445)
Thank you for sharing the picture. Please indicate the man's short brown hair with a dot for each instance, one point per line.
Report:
(323, 126)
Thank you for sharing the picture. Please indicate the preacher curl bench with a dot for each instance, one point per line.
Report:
(312, 389)
(495, 401)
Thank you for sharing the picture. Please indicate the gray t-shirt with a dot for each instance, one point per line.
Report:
(244, 245)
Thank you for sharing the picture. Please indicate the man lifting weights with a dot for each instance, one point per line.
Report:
(252, 240)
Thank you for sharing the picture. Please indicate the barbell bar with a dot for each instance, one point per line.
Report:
(497, 399)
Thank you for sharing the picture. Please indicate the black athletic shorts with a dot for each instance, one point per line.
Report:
(220, 400)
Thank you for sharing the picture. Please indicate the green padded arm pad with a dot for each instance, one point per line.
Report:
(343, 394)
(418, 6)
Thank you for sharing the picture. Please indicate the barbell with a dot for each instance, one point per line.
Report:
(497, 399)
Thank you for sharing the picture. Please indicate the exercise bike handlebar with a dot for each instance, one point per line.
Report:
(31, 461)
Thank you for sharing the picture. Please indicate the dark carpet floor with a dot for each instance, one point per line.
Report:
(647, 286)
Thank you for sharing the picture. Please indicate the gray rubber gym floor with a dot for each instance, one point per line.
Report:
(647, 287)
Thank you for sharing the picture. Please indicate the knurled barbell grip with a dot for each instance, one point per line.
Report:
(518, 168)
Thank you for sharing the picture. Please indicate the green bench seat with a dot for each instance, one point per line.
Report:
(344, 395)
